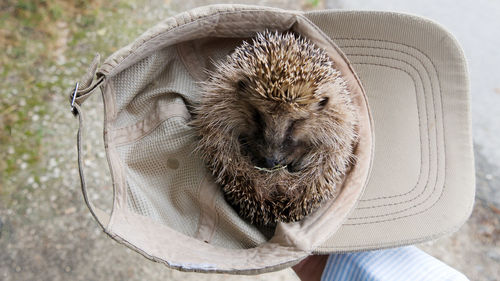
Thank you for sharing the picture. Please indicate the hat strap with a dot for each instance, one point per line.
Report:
(82, 91)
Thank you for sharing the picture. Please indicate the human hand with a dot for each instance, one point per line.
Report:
(311, 268)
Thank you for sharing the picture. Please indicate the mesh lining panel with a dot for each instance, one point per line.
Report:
(166, 194)
(159, 190)
(140, 85)
(169, 196)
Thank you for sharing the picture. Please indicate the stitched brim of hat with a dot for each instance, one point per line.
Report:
(415, 77)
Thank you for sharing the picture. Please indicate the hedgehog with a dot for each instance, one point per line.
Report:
(276, 127)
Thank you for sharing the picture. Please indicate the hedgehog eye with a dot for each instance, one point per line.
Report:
(289, 131)
(291, 126)
(257, 118)
(323, 102)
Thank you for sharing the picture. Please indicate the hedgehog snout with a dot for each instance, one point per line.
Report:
(265, 157)
(271, 156)
(263, 154)
(271, 162)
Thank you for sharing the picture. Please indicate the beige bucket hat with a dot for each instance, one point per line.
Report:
(408, 78)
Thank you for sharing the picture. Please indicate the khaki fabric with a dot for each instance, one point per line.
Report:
(166, 204)
(415, 76)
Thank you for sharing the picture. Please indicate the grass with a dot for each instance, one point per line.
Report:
(36, 35)
(313, 3)
(47, 46)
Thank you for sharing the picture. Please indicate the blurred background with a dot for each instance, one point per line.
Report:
(47, 233)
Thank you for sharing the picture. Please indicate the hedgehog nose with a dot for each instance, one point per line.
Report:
(271, 162)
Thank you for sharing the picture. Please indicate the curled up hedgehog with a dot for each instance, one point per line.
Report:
(276, 127)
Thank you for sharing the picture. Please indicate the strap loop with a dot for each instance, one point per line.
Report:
(87, 85)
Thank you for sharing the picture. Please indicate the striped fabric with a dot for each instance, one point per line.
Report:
(406, 263)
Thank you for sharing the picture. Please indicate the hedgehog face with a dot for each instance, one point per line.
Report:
(280, 130)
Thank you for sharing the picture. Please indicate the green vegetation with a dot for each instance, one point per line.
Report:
(47, 45)
(313, 3)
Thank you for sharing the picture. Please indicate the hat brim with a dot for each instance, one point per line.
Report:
(415, 77)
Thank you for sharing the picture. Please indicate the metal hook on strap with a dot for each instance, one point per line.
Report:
(86, 86)
(73, 109)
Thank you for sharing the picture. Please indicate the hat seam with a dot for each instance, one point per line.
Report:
(437, 147)
(425, 188)
(427, 72)
(207, 224)
(420, 126)
(145, 126)
(413, 199)
(427, 117)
